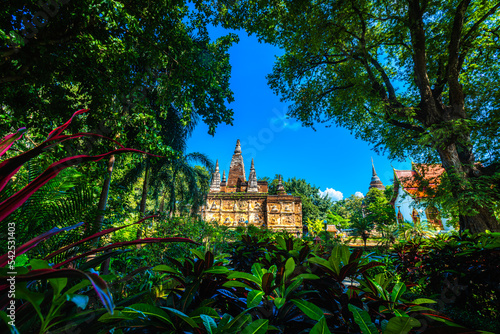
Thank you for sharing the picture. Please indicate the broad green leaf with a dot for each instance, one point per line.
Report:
(81, 301)
(320, 327)
(289, 266)
(257, 270)
(279, 302)
(401, 325)
(398, 290)
(256, 327)
(305, 276)
(195, 315)
(181, 315)
(209, 323)
(148, 310)
(58, 284)
(254, 298)
(118, 315)
(295, 284)
(165, 268)
(236, 284)
(419, 301)
(217, 270)
(246, 276)
(198, 253)
(311, 310)
(362, 318)
(322, 262)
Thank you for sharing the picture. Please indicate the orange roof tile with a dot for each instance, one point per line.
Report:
(420, 179)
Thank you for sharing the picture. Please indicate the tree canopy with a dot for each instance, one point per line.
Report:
(417, 78)
(131, 63)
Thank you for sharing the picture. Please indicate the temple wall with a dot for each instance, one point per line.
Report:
(275, 212)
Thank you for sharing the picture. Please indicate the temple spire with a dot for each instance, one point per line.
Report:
(375, 182)
(215, 185)
(252, 180)
(236, 174)
(280, 189)
(224, 176)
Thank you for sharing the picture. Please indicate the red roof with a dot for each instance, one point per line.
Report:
(420, 179)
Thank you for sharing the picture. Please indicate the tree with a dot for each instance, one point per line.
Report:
(414, 77)
(348, 207)
(136, 65)
(314, 206)
(361, 226)
(378, 209)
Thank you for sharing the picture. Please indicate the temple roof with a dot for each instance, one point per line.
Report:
(419, 179)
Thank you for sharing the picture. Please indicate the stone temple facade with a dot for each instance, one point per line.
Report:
(238, 202)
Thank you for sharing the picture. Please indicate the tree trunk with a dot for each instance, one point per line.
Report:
(162, 204)
(103, 200)
(142, 206)
(460, 167)
(101, 208)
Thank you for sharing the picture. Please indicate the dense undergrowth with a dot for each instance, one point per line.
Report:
(187, 276)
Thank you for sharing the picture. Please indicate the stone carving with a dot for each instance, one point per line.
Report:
(242, 202)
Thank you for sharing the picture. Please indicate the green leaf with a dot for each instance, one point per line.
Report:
(7, 320)
(166, 268)
(149, 310)
(398, 290)
(182, 315)
(217, 270)
(81, 301)
(419, 301)
(320, 327)
(279, 302)
(289, 266)
(322, 262)
(203, 310)
(236, 284)
(401, 325)
(257, 270)
(254, 298)
(209, 323)
(246, 276)
(257, 327)
(305, 276)
(198, 253)
(311, 310)
(362, 318)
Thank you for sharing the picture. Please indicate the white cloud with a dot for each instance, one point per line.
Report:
(332, 193)
(359, 194)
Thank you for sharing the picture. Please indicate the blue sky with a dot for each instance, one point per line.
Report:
(328, 158)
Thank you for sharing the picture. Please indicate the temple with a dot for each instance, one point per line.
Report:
(238, 202)
(412, 191)
(375, 182)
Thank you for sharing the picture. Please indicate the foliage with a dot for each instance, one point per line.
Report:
(316, 226)
(314, 206)
(413, 78)
(462, 269)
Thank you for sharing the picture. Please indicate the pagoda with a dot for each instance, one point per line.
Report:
(236, 201)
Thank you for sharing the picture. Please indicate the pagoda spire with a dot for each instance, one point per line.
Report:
(252, 180)
(280, 189)
(215, 185)
(375, 182)
(236, 174)
(224, 176)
